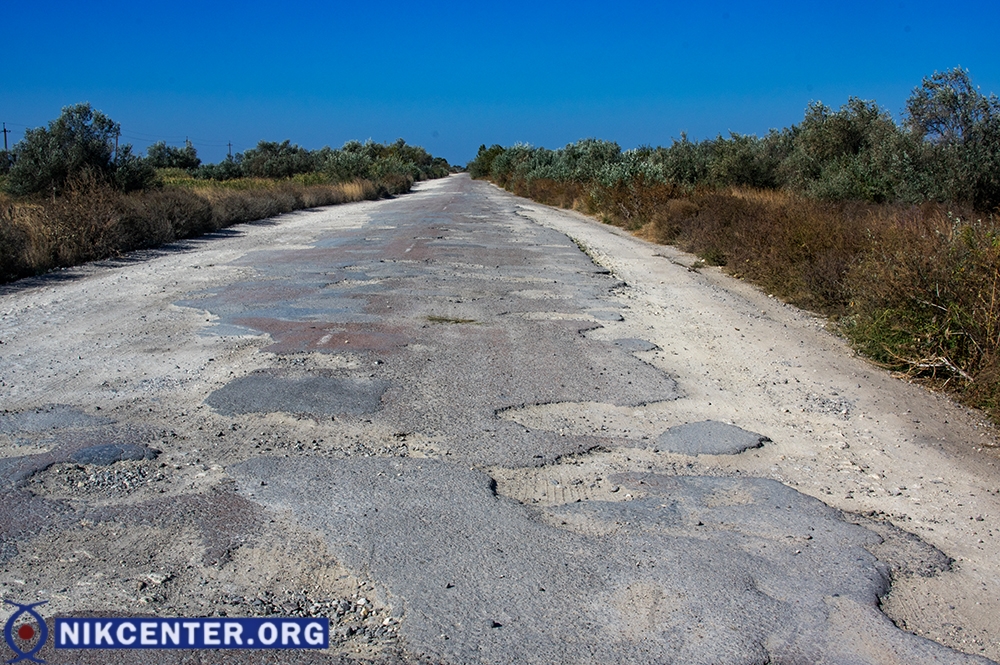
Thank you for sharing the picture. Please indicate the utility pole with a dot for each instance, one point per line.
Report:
(230, 144)
(5, 130)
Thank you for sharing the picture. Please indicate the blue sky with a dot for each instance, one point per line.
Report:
(450, 76)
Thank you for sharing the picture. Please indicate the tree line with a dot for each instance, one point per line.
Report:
(83, 142)
(946, 149)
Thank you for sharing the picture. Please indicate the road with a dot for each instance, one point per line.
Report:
(473, 429)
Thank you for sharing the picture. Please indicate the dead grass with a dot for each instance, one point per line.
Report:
(93, 221)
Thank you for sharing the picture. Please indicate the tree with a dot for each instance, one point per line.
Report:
(481, 165)
(947, 109)
(161, 156)
(277, 160)
(81, 140)
(963, 128)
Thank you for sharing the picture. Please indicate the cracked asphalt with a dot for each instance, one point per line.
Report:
(465, 430)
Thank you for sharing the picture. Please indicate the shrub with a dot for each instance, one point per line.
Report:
(345, 165)
(276, 160)
(80, 141)
(161, 156)
(482, 165)
(925, 297)
(14, 243)
(157, 217)
(745, 161)
(229, 168)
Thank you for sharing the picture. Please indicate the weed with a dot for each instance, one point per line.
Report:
(93, 220)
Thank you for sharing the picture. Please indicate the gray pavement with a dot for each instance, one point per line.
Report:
(399, 343)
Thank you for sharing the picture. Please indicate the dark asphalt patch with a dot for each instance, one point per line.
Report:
(606, 316)
(702, 570)
(708, 437)
(305, 336)
(46, 418)
(63, 444)
(264, 392)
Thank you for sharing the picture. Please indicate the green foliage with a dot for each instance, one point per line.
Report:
(276, 160)
(948, 150)
(856, 153)
(229, 168)
(962, 126)
(344, 165)
(746, 161)
(81, 141)
(685, 163)
(397, 164)
(130, 172)
(482, 165)
(161, 156)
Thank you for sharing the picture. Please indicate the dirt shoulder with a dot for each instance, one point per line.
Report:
(843, 430)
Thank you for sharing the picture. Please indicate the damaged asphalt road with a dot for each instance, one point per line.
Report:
(439, 422)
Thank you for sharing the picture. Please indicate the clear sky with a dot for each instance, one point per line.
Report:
(450, 76)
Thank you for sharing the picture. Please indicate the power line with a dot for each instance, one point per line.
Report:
(173, 139)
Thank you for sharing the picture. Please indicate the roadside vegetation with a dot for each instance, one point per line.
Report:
(69, 194)
(889, 228)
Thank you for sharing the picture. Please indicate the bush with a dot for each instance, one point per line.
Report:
(229, 168)
(745, 161)
(276, 160)
(345, 165)
(80, 141)
(924, 297)
(482, 165)
(14, 243)
(161, 156)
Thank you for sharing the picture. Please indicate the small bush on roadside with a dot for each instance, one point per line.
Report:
(14, 244)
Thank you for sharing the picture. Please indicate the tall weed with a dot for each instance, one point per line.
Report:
(925, 300)
(92, 220)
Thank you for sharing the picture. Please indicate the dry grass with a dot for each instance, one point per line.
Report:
(93, 221)
(925, 300)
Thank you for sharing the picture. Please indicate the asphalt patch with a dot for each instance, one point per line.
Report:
(708, 437)
(701, 570)
(265, 392)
